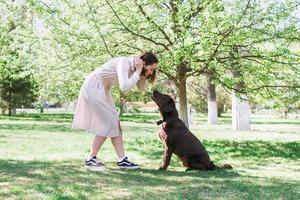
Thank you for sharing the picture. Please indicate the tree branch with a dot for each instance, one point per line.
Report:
(132, 32)
(172, 78)
(153, 22)
(98, 29)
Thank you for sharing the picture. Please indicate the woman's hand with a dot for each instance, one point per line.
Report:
(138, 64)
(162, 133)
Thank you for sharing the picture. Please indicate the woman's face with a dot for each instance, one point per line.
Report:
(148, 69)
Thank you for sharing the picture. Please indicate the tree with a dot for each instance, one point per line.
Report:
(17, 85)
(253, 42)
(190, 37)
(118, 34)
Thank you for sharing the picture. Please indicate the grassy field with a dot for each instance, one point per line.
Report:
(41, 157)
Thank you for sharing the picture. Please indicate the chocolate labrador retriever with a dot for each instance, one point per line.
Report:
(180, 140)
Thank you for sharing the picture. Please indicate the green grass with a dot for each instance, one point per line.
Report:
(41, 157)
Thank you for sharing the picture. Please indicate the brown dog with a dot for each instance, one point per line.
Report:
(180, 140)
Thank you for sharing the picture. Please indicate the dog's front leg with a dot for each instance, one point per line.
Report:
(166, 158)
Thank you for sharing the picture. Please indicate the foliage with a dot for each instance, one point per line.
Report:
(18, 86)
(190, 37)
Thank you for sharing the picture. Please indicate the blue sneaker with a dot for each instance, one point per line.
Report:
(125, 164)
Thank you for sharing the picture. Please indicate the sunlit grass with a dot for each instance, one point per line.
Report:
(41, 157)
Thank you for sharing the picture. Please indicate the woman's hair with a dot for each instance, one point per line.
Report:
(149, 58)
(152, 77)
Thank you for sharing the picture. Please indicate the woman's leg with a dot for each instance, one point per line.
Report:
(98, 141)
(123, 162)
(118, 145)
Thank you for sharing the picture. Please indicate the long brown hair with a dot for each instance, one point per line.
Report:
(152, 77)
(149, 58)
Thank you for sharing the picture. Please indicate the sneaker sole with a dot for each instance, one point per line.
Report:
(95, 168)
(125, 167)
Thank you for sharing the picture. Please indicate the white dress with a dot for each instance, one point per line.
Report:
(95, 111)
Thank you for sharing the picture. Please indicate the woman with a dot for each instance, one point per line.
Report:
(96, 111)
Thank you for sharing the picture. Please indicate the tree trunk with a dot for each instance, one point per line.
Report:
(253, 109)
(10, 101)
(285, 114)
(14, 112)
(183, 113)
(240, 112)
(9, 110)
(211, 102)
(221, 108)
(240, 107)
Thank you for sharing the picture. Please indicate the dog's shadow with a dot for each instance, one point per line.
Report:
(195, 173)
(225, 173)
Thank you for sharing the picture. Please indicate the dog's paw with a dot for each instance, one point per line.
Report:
(162, 168)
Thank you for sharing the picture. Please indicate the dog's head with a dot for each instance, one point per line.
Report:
(164, 102)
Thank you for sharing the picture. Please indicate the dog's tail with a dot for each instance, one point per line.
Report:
(224, 166)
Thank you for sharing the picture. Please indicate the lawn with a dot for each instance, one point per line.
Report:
(41, 157)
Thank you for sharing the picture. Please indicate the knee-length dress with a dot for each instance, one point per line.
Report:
(95, 110)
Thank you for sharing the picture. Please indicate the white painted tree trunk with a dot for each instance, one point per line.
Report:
(13, 111)
(212, 112)
(211, 102)
(183, 112)
(240, 112)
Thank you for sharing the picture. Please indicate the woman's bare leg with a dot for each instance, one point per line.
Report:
(118, 145)
(119, 148)
(97, 143)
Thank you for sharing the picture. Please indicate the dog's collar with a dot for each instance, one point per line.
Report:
(159, 122)
(162, 121)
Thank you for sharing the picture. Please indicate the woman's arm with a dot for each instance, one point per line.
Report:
(162, 133)
(122, 69)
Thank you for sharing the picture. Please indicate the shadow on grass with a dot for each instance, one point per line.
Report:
(68, 180)
(54, 117)
(65, 128)
(68, 117)
(130, 117)
(140, 117)
(220, 149)
(49, 177)
(229, 121)
(34, 127)
(276, 122)
(254, 149)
